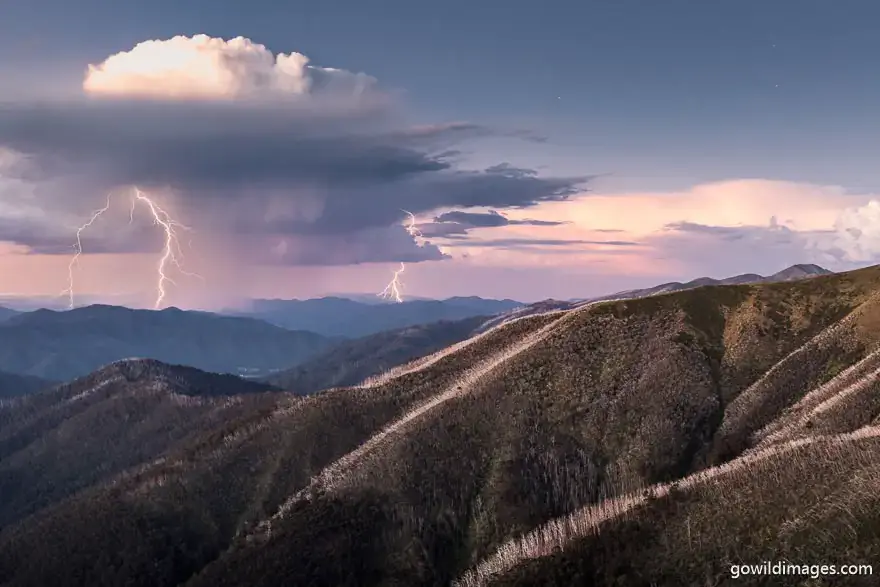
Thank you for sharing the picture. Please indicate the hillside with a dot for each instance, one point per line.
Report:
(12, 385)
(793, 273)
(55, 443)
(695, 429)
(333, 316)
(6, 313)
(63, 345)
(352, 361)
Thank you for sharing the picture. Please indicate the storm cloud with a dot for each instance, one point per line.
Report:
(317, 158)
(522, 243)
(457, 223)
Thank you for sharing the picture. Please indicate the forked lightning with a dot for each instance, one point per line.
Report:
(78, 251)
(411, 227)
(171, 253)
(392, 291)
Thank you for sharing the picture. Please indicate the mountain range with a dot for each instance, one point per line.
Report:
(336, 316)
(793, 273)
(6, 313)
(61, 345)
(649, 441)
(350, 362)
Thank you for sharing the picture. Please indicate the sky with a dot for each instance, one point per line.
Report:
(545, 150)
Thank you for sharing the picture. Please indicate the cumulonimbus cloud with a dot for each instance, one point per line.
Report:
(856, 234)
(202, 67)
(254, 144)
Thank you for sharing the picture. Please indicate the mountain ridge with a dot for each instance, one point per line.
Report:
(351, 362)
(63, 440)
(794, 272)
(61, 345)
(336, 316)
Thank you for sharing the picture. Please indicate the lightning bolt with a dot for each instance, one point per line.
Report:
(411, 227)
(393, 289)
(78, 251)
(171, 253)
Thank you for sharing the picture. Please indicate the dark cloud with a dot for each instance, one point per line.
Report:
(35, 238)
(366, 246)
(254, 169)
(513, 243)
(210, 145)
(112, 233)
(489, 219)
(459, 222)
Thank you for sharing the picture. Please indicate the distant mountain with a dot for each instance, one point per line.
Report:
(335, 316)
(62, 345)
(371, 299)
(652, 441)
(793, 273)
(6, 313)
(797, 272)
(352, 361)
(12, 385)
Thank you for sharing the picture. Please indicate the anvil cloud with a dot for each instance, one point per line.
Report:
(298, 164)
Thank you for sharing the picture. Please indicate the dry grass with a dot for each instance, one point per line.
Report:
(335, 474)
(557, 534)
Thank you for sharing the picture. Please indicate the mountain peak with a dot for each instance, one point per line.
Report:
(798, 271)
(183, 380)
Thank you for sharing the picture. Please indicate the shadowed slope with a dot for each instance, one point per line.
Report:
(54, 443)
